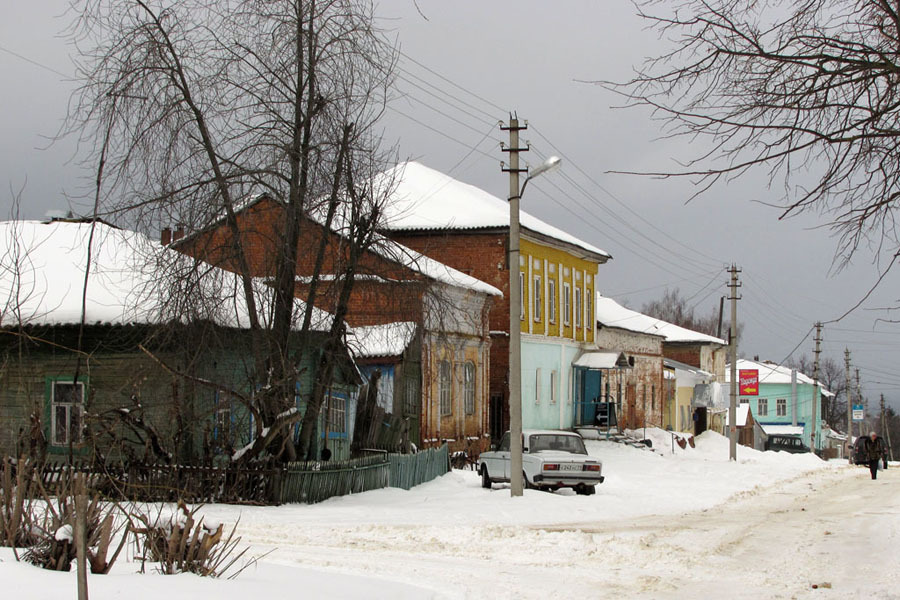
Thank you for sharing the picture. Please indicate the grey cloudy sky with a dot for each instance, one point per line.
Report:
(464, 66)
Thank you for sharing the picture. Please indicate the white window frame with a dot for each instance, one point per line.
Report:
(567, 303)
(537, 309)
(537, 386)
(781, 407)
(69, 407)
(337, 414)
(469, 387)
(762, 407)
(521, 296)
(445, 386)
(551, 299)
(589, 308)
(578, 307)
(554, 386)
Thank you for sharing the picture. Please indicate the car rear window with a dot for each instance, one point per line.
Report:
(562, 443)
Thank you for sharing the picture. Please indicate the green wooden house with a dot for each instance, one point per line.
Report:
(161, 369)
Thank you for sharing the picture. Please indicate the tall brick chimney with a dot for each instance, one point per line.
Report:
(179, 232)
(165, 237)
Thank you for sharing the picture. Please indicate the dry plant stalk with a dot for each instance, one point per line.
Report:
(184, 544)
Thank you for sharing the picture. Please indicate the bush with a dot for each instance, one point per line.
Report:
(181, 543)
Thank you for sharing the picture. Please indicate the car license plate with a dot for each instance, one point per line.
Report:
(565, 467)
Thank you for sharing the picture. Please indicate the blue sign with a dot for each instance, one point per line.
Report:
(859, 413)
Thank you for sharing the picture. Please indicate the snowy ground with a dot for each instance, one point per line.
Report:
(687, 524)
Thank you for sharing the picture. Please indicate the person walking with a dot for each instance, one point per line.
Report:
(874, 451)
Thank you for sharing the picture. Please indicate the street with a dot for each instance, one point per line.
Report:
(832, 528)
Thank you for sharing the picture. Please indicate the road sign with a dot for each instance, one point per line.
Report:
(859, 412)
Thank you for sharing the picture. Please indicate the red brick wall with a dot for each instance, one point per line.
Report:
(689, 355)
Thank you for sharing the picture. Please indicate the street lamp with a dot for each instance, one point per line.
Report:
(515, 327)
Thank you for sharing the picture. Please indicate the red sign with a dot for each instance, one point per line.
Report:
(749, 379)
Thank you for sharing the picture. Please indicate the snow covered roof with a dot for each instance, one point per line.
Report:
(612, 314)
(601, 360)
(772, 373)
(782, 429)
(689, 369)
(381, 246)
(132, 280)
(741, 413)
(390, 339)
(425, 199)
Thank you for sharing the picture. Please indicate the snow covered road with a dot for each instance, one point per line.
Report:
(831, 527)
(672, 524)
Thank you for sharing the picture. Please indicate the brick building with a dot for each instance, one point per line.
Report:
(468, 229)
(442, 371)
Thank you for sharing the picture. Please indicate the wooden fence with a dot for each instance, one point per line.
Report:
(307, 482)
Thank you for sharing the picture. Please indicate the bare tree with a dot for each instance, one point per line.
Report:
(676, 309)
(806, 90)
(199, 106)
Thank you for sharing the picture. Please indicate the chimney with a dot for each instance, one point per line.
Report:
(165, 237)
(179, 233)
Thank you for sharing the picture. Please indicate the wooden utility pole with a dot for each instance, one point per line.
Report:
(849, 406)
(815, 393)
(732, 406)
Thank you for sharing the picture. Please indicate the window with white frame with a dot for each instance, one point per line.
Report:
(537, 386)
(66, 409)
(536, 299)
(444, 386)
(781, 407)
(589, 308)
(745, 401)
(762, 407)
(578, 313)
(411, 400)
(551, 300)
(521, 296)
(222, 430)
(337, 414)
(554, 386)
(469, 387)
(567, 304)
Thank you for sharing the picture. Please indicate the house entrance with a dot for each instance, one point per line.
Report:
(700, 420)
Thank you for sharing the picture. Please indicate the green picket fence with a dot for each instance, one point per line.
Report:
(314, 481)
(409, 470)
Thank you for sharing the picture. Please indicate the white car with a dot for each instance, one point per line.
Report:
(550, 460)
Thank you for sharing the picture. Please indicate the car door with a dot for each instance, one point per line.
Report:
(503, 456)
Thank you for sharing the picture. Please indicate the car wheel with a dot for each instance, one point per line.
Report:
(585, 490)
(485, 478)
(526, 484)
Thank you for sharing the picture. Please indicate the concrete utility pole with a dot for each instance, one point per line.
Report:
(732, 406)
(515, 300)
(515, 297)
(815, 394)
(885, 430)
(859, 399)
(849, 406)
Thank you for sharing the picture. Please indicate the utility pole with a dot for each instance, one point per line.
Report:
(815, 394)
(860, 400)
(515, 325)
(885, 430)
(732, 406)
(849, 406)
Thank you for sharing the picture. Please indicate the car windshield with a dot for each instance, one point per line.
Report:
(559, 442)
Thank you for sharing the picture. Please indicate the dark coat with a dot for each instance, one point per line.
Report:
(874, 449)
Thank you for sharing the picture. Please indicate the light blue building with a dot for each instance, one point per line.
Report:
(769, 391)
